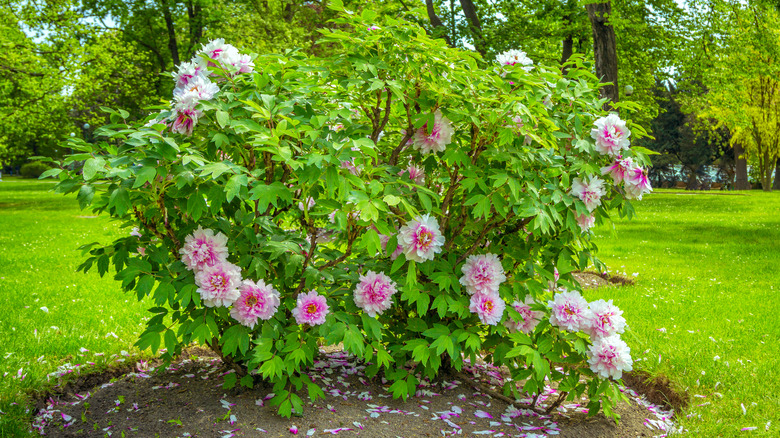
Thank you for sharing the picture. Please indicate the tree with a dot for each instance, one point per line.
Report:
(745, 94)
(33, 116)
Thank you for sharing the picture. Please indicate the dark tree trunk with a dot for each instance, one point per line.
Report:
(474, 25)
(436, 21)
(604, 49)
(568, 49)
(741, 179)
(776, 183)
(173, 46)
(196, 25)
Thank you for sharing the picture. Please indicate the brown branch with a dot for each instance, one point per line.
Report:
(561, 397)
(409, 133)
(488, 228)
(350, 240)
(227, 360)
(309, 254)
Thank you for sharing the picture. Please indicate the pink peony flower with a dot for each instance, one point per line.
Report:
(309, 204)
(421, 238)
(515, 57)
(416, 174)
(202, 248)
(611, 135)
(569, 311)
(198, 88)
(186, 71)
(604, 319)
(218, 284)
(530, 318)
(257, 300)
(589, 192)
(637, 183)
(482, 273)
(374, 293)
(620, 169)
(136, 232)
(185, 120)
(311, 309)
(440, 137)
(350, 165)
(609, 357)
(585, 222)
(488, 306)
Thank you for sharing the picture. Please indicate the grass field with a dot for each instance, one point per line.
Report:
(703, 311)
(49, 311)
(705, 307)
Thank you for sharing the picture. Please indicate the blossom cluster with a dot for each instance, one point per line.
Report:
(482, 276)
(515, 57)
(194, 82)
(220, 284)
(608, 356)
(611, 137)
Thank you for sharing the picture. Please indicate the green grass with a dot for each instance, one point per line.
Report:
(708, 270)
(707, 287)
(39, 235)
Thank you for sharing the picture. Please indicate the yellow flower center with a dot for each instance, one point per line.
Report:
(311, 309)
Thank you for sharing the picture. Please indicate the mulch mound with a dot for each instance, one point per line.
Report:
(186, 399)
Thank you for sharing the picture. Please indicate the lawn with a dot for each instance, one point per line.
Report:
(50, 312)
(702, 311)
(705, 307)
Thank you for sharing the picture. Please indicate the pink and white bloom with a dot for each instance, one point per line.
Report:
(611, 135)
(311, 308)
(609, 357)
(439, 138)
(482, 273)
(256, 301)
(604, 319)
(619, 169)
(530, 318)
(489, 307)
(185, 120)
(136, 232)
(585, 221)
(515, 57)
(416, 174)
(569, 311)
(637, 183)
(350, 165)
(198, 88)
(590, 192)
(186, 72)
(218, 284)
(421, 238)
(203, 248)
(309, 204)
(374, 293)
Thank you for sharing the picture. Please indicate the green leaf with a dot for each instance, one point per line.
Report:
(222, 118)
(144, 175)
(233, 186)
(92, 166)
(170, 341)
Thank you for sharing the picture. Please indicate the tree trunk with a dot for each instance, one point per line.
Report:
(741, 180)
(435, 20)
(173, 46)
(776, 183)
(604, 49)
(474, 25)
(568, 49)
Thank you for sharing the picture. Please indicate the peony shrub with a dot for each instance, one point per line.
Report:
(413, 202)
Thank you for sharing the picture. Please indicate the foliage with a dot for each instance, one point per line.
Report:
(741, 89)
(276, 151)
(34, 169)
(32, 110)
